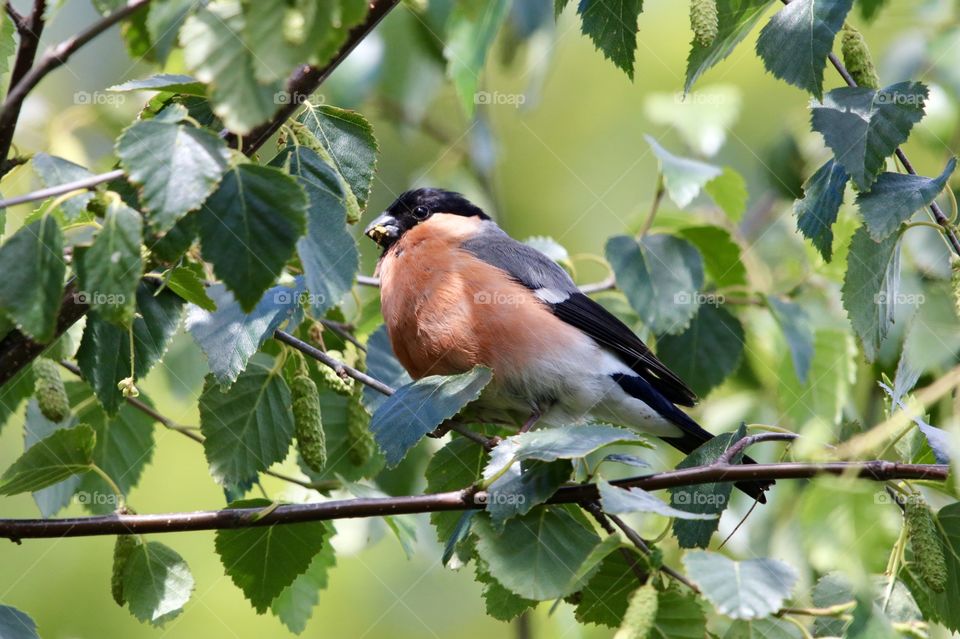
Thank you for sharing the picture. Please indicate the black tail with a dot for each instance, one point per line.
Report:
(693, 436)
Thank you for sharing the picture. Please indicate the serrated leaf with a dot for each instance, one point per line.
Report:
(612, 25)
(618, 501)
(163, 23)
(418, 408)
(524, 486)
(249, 228)
(864, 126)
(795, 43)
(327, 252)
(54, 171)
(679, 616)
(36, 427)
(770, 628)
(382, 364)
(721, 254)
(31, 288)
(264, 560)
(683, 177)
(470, 31)
(748, 589)
(660, 276)
(708, 350)
(111, 268)
(870, 288)
(604, 598)
(536, 555)
(817, 209)
(156, 583)
(499, 602)
(187, 282)
(937, 439)
(13, 392)
(704, 498)
(735, 19)
(895, 197)
(275, 52)
(15, 624)
(229, 337)
(57, 456)
(796, 327)
(729, 191)
(214, 50)
(457, 465)
(169, 82)
(176, 165)
(104, 354)
(248, 427)
(294, 606)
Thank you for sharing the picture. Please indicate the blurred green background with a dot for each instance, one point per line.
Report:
(570, 162)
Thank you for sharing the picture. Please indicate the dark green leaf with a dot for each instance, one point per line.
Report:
(747, 589)
(187, 282)
(770, 628)
(15, 624)
(612, 25)
(263, 561)
(163, 22)
(705, 498)
(294, 606)
(156, 583)
(499, 602)
(457, 465)
(817, 210)
(729, 191)
(36, 427)
(735, 19)
(863, 126)
(895, 197)
(604, 599)
(176, 165)
(14, 391)
(418, 408)
(248, 427)
(170, 82)
(796, 328)
(707, 351)
(679, 616)
(721, 254)
(871, 288)
(111, 268)
(31, 288)
(54, 171)
(249, 228)
(59, 455)
(618, 501)
(795, 43)
(382, 364)
(524, 486)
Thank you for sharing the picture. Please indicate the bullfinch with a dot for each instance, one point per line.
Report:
(456, 292)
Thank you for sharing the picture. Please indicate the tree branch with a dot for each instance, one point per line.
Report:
(466, 499)
(60, 189)
(30, 30)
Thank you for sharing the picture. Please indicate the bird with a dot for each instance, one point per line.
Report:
(456, 291)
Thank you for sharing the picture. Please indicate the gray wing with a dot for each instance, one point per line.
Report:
(554, 286)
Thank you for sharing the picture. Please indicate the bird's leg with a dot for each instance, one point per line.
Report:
(531, 421)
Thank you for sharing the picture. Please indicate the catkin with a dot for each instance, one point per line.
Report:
(857, 59)
(332, 380)
(311, 441)
(703, 21)
(641, 614)
(122, 549)
(51, 395)
(359, 438)
(925, 541)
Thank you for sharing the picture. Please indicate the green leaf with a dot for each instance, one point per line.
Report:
(537, 555)
(249, 228)
(796, 328)
(215, 51)
(347, 144)
(735, 19)
(111, 268)
(156, 583)
(15, 624)
(704, 498)
(895, 197)
(36, 427)
(679, 616)
(863, 126)
(817, 210)
(294, 606)
(382, 364)
(457, 465)
(499, 602)
(176, 166)
(770, 628)
(14, 391)
(828, 384)
(870, 288)
(8, 43)
(661, 276)
(683, 177)
(418, 408)
(54, 171)
(57, 456)
(163, 23)
(524, 486)
(720, 252)
(471, 28)
(702, 120)
(748, 589)
(795, 43)
(612, 25)
(248, 427)
(264, 560)
(729, 191)
(187, 282)
(604, 598)
(169, 82)
(229, 337)
(104, 354)
(618, 501)
(707, 352)
(327, 252)
(31, 288)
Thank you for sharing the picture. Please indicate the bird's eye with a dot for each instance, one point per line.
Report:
(421, 212)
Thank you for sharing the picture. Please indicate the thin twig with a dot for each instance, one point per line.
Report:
(727, 456)
(332, 362)
(638, 541)
(594, 509)
(30, 30)
(60, 189)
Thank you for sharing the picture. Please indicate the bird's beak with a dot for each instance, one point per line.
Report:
(383, 230)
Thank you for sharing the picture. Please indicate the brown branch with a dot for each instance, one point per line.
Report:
(30, 30)
(60, 189)
(468, 498)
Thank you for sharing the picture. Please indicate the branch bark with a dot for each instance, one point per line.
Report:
(30, 30)
(466, 499)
